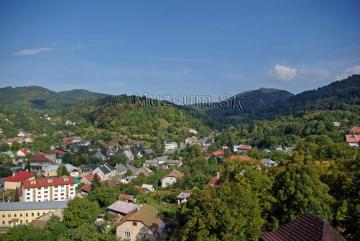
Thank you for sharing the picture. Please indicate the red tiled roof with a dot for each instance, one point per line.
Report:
(214, 181)
(217, 153)
(86, 188)
(25, 151)
(352, 138)
(305, 228)
(356, 129)
(90, 177)
(57, 151)
(126, 197)
(19, 176)
(48, 182)
(40, 157)
(245, 147)
(175, 173)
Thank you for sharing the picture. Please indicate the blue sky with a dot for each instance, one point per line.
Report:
(178, 47)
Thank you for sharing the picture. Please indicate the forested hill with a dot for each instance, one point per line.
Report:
(270, 103)
(39, 97)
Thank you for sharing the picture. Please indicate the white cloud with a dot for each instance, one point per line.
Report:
(348, 72)
(283, 73)
(33, 51)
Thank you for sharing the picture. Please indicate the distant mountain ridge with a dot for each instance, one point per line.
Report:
(40, 97)
(269, 103)
(256, 104)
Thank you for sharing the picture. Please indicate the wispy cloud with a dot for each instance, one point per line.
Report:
(32, 51)
(348, 72)
(283, 73)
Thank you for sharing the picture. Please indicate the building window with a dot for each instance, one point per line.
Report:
(26, 214)
(15, 215)
(127, 234)
(38, 214)
(134, 223)
(20, 215)
(26, 221)
(142, 235)
(21, 221)
(3, 222)
(32, 214)
(9, 215)
(3, 216)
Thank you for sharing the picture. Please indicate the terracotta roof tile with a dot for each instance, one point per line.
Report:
(48, 182)
(19, 176)
(305, 228)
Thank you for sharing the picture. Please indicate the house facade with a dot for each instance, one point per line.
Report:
(49, 189)
(171, 178)
(105, 172)
(14, 181)
(143, 224)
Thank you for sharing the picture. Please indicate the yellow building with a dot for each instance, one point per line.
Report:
(15, 213)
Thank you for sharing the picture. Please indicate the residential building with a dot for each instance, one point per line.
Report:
(99, 156)
(15, 213)
(121, 170)
(51, 170)
(353, 140)
(105, 172)
(183, 197)
(88, 168)
(304, 228)
(151, 163)
(148, 188)
(129, 155)
(59, 154)
(14, 181)
(355, 130)
(22, 152)
(87, 179)
(268, 162)
(40, 160)
(170, 146)
(122, 208)
(127, 198)
(171, 178)
(143, 224)
(242, 148)
(217, 154)
(71, 140)
(49, 189)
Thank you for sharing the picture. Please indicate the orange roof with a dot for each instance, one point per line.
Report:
(217, 153)
(175, 173)
(19, 176)
(237, 158)
(126, 197)
(86, 188)
(356, 129)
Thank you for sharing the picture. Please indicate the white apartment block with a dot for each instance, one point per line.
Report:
(49, 189)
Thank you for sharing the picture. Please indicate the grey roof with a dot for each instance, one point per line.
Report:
(89, 167)
(14, 206)
(120, 168)
(106, 168)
